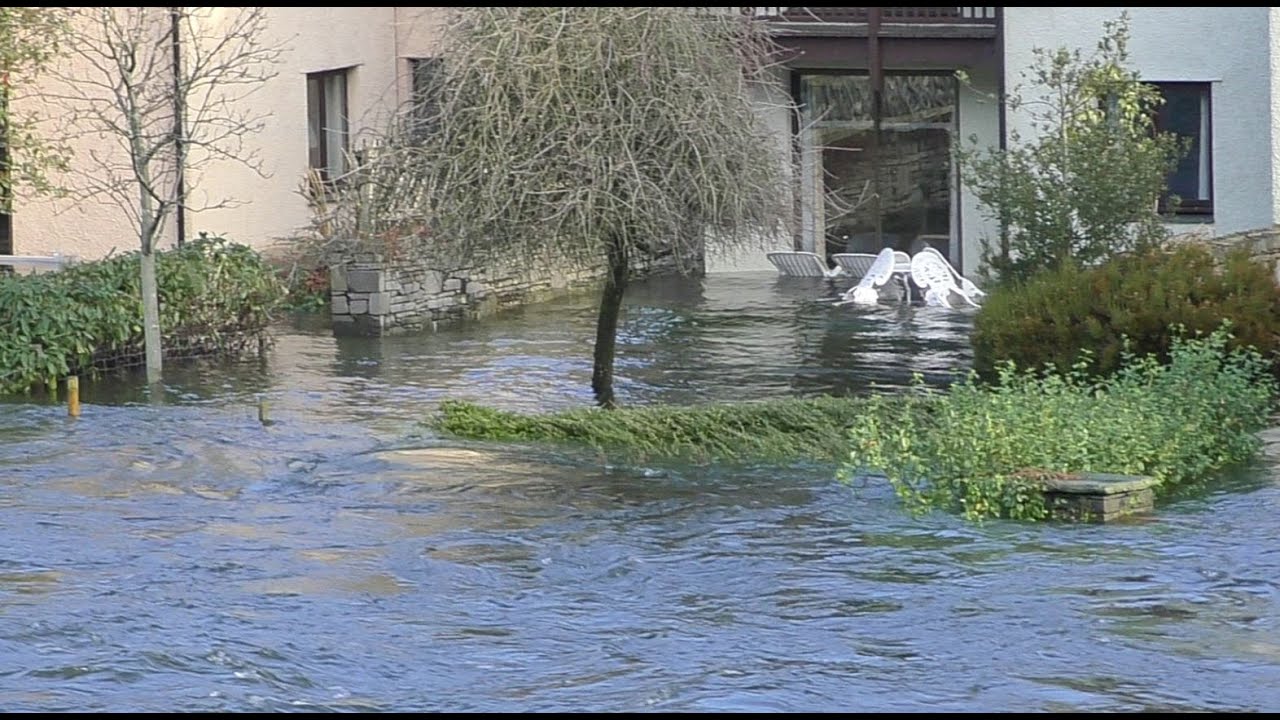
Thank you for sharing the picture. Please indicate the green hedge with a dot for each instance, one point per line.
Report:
(1054, 317)
(980, 448)
(214, 297)
(784, 429)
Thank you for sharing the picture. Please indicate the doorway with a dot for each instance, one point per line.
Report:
(870, 185)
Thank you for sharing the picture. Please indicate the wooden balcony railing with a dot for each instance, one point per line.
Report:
(912, 15)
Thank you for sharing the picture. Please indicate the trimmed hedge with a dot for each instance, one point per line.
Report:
(777, 430)
(1056, 316)
(215, 297)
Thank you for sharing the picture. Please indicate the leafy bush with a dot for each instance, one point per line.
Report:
(306, 289)
(786, 429)
(979, 449)
(214, 296)
(1084, 186)
(1053, 318)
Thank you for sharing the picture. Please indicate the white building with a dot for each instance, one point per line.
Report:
(1218, 67)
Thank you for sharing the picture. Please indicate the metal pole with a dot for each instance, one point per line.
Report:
(876, 66)
(179, 124)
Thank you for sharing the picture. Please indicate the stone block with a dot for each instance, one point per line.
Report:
(359, 307)
(379, 303)
(338, 279)
(339, 305)
(366, 281)
(432, 282)
(1099, 497)
(453, 284)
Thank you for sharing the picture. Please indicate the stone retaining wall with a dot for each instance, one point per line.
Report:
(370, 296)
(1262, 243)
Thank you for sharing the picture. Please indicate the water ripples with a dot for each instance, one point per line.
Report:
(172, 554)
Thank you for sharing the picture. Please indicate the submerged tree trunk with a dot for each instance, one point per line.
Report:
(607, 325)
(151, 317)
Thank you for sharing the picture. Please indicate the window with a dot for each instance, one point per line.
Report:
(1186, 112)
(327, 129)
(425, 75)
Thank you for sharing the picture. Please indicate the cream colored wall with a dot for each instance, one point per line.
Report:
(374, 41)
(76, 223)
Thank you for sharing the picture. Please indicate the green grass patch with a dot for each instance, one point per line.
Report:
(770, 430)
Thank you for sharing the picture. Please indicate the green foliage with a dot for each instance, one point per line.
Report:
(813, 428)
(980, 449)
(213, 295)
(1086, 185)
(1054, 317)
(307, 289)
(30, 38)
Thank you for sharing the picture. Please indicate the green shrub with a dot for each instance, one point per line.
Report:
(1054, 317)
(978, 449)
(1084, 183)
(813, 428)
(214, 295)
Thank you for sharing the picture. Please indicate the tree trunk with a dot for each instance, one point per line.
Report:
(607, 325)
(151, 318)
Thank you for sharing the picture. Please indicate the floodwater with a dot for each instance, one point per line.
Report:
(171, 553)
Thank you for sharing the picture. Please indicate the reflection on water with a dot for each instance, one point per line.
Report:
(171, 553)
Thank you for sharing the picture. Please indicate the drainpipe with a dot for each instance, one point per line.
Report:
(876, 67)
(179, 124)
(1001, 114)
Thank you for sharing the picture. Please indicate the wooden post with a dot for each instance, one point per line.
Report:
(73, 396)
(263, 411)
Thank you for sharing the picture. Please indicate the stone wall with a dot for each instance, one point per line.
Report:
(370, 296)
(1263, 244)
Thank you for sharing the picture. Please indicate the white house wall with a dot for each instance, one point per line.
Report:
(979, 121)
(774, 110)
(1230, 47)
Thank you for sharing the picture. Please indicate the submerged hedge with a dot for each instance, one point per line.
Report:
(777, 430)
(216, 297)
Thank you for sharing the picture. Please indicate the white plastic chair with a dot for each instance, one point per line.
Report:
(881, 272)
(971, 291)
(802, 264)
(932, 272)
(855, 265)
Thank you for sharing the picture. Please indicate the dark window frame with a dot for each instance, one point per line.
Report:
(1191, 206)
(424, 73)
(318, 105)
(6, 190)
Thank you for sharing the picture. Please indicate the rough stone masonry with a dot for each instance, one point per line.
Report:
(374, 296)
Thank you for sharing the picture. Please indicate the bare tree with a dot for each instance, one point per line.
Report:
(585, 135)
(165, 88)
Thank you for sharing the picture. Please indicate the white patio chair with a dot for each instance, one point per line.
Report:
(932, 273)
(866, 292)
(971, 291)
(855, 265)
(802, 264)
